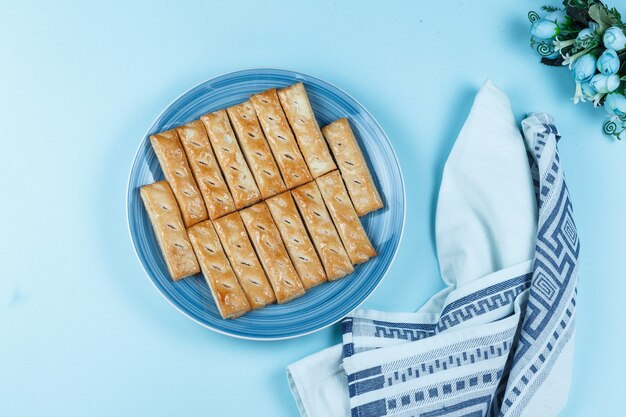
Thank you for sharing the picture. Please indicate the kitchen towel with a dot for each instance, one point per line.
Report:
(498, 340)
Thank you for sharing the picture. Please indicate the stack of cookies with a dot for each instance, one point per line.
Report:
(261, 200)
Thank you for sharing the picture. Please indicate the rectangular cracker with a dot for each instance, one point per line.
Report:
(271, 250)
(169, 230)
(219, 275)
(282, 142)
(353, 167)
(243, 259)
(230, 158)
(204, 166)
(296, 239)
(171, 155)
(255, 149)
(298, 110)
(351, 232)
(324, 235)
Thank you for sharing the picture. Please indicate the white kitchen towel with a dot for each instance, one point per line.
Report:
(498, 340)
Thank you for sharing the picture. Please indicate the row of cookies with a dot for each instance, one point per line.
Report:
(269, 252)
(233, 158)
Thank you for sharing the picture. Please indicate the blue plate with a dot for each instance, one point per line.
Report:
(321, 306)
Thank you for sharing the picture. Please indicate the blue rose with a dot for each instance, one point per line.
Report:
(604, 84)
(544, 29)
(608, 63)
(615, 104)
(584, 68)
(559, 17)
(614, 38)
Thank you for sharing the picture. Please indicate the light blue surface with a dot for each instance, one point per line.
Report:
(320, 306)
(84, 332)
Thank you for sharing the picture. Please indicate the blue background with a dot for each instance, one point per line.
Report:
(84, 332)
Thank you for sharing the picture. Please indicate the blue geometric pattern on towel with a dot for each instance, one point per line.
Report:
(550, 313)
(455, 313)
(505, 297)
(454, 356)
(494, 375)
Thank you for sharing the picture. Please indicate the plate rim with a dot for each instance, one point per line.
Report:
(220, 331)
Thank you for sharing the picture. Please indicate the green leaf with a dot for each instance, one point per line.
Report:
(598, 14)
(616, 14)
(580, 16)
(549, 9)
(553, 62)
(603, 17)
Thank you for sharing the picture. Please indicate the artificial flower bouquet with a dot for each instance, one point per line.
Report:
(589, 38)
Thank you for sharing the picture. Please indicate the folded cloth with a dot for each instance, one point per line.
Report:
(498, 340)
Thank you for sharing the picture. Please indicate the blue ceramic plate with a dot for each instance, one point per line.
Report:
(321, 306)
